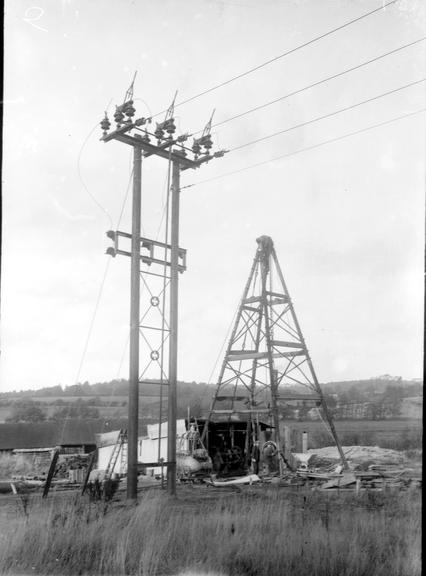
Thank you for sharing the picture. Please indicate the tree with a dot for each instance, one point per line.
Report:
(392, 400)
(26, 410)
(356, 395)
(77, 409)
(331, 404)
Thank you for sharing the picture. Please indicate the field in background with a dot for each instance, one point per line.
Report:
(259, 532)
(108, 406)
(403, 434)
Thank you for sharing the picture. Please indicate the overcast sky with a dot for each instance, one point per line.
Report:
(347, 218)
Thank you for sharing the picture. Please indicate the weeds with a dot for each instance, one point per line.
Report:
(272, 534)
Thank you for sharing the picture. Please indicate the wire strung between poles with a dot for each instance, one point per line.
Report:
(314, 84)
(284, 54)
(324, 116)
(306, 149)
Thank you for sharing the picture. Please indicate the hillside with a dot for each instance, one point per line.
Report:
(375, 398)
(376, 385)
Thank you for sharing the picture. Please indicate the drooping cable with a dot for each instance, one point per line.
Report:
(225, 340)
(95, 311)
(95, 200)
(112, 393)
(79, 156)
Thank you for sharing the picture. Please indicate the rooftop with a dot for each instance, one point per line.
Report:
(72, 432)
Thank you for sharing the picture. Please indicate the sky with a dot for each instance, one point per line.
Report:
(347, 218)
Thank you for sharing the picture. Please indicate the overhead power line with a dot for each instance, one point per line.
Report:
(329, 115)
(287, 53)
(83, 183)
(357, 67)
(92, 320)
(307, 148)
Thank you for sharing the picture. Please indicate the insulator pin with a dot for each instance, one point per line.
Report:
(129, 109)
(118, 115)
(105, 124)
(159, 132)
(196, 148)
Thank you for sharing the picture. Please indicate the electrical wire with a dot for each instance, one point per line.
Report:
(95, 200)
(92, 321)
(101, 288)
(329, 115)
(225, 340)
(112, 393)
(86, 345)
(105, 270)
(318, 83)
(98, 300)
(125, 200)
(287, 53)
(307, 148)
(165, 200)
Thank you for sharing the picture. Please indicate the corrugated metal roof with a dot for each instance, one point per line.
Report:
(72, 432)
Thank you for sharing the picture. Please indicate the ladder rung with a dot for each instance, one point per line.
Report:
(250, 308)
(151, 464)
(260, 355)
(253, 411)
(289, 344)
(245, 355)
(235, 398)
(304, 397)
(252, 299)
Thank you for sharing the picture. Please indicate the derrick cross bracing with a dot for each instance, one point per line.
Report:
(266, 361)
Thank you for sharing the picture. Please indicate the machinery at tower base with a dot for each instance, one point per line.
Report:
(266, 364)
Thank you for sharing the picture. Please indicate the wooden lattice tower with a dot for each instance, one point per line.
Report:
(267, 361)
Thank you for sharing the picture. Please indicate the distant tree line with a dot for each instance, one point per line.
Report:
(373, 399)
(29, 410)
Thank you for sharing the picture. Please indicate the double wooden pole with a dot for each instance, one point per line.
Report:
(133, 413)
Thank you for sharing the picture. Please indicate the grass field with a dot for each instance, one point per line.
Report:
(401, 434)
(270, 532)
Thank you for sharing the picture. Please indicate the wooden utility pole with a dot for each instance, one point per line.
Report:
(133, 409)
(174, 280)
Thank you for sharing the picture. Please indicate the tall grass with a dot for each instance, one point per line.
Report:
(272, 533)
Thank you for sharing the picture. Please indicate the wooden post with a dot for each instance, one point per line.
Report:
(357, 485)
(89, 469)
(51, 472)
(132, 436)
(174, 280)
(304, 442)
